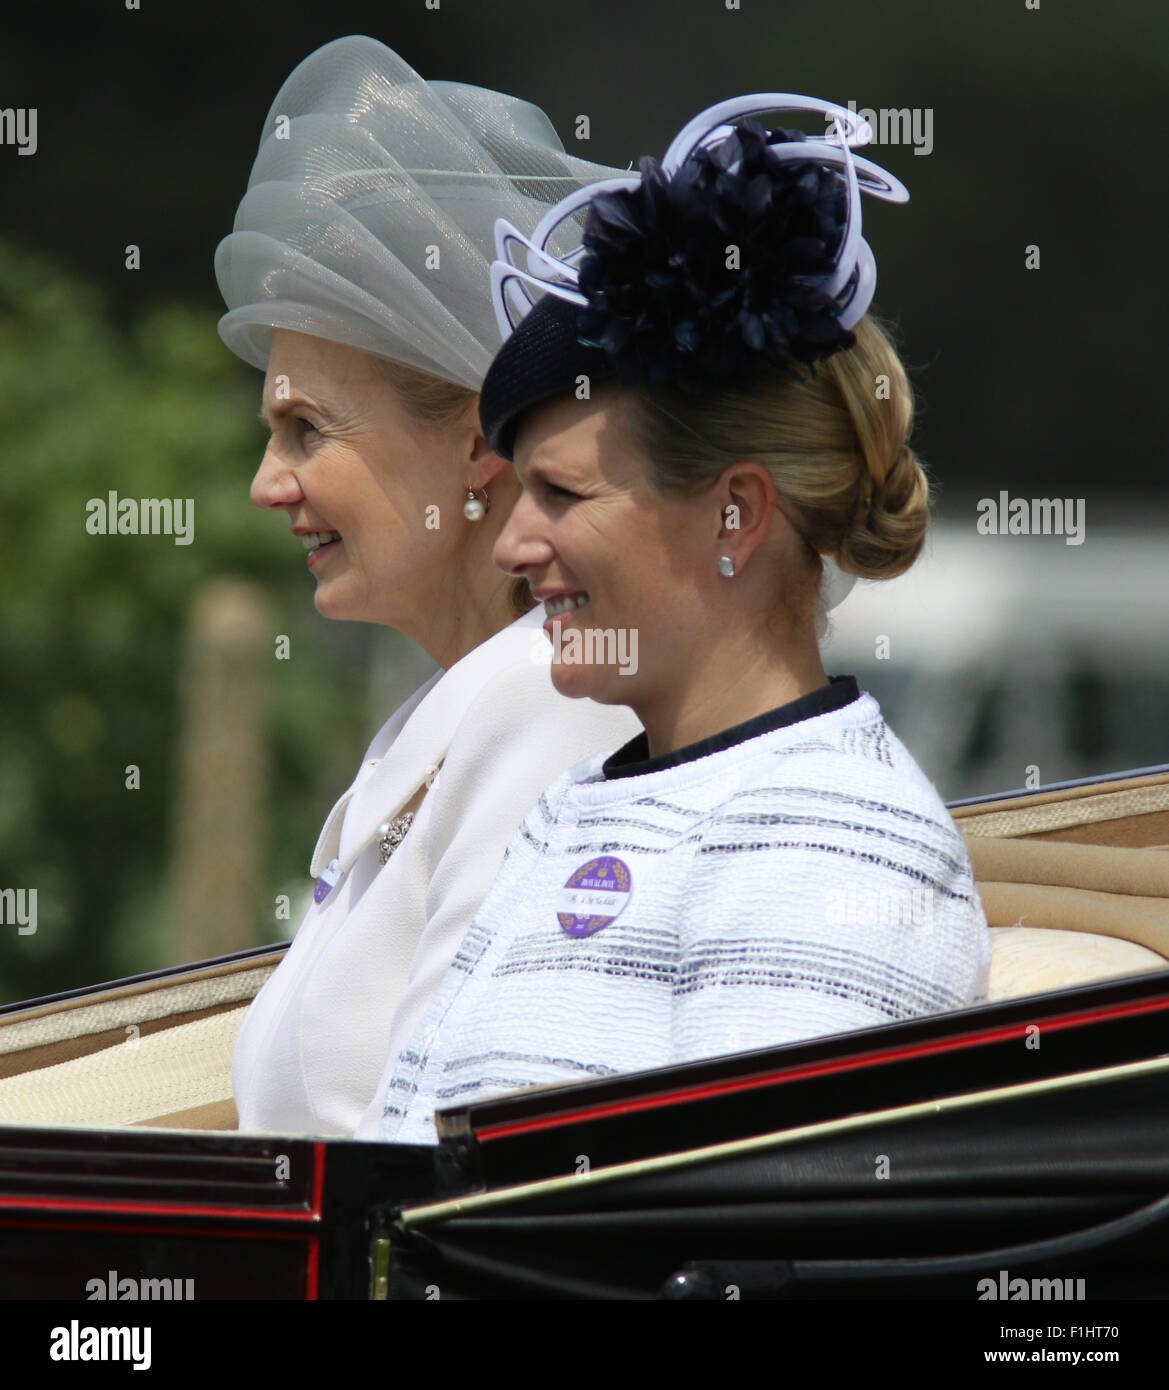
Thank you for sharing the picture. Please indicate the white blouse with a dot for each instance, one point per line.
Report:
(369, 955)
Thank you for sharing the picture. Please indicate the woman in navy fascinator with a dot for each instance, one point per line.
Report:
(712, 438)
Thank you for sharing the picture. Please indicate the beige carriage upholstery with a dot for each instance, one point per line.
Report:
(156, 1052)
(1075, 884)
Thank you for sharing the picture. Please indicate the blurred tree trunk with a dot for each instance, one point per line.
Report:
(219, 811)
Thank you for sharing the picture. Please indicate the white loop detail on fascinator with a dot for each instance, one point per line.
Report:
(526, 267)
(371, 206)
(856, 269)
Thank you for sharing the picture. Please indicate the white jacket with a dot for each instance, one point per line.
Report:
(803, 881)
(313, 1049)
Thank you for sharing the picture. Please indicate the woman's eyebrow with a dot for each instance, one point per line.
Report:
(284, 406)
(534, 473)
(539, 468)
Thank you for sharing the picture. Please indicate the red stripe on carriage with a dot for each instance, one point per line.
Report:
(506, 1130)
(98, 1206)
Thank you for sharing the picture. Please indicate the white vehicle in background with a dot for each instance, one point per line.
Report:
(1011, 661)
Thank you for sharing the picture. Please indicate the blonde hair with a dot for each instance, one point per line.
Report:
(434, 405)
(835, 444)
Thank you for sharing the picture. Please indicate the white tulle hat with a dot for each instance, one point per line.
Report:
(370, 213)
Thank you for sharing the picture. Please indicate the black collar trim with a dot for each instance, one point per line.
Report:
(633, 759)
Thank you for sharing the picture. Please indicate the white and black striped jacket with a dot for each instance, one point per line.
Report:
(793, 877)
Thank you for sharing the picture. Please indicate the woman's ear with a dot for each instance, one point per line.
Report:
(480, 463)
(748, 497)
(485, 466)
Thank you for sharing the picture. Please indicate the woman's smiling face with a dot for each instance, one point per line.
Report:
(352, 470)
(606, 553)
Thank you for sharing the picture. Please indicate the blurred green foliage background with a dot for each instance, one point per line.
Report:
(93, 625)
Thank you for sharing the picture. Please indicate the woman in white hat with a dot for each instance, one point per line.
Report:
(704, 422)
(357, 278)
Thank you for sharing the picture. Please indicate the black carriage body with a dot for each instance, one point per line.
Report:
(908, 1161)
(960, 1156)
(145, 1213)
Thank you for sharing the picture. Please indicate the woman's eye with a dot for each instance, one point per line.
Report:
(562, 493)
(308, 424)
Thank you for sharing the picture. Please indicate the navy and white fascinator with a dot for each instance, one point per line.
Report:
(741, 250)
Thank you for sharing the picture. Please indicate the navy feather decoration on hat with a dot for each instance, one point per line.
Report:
(710, 272)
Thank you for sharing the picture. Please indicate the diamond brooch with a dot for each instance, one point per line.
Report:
(391, 833)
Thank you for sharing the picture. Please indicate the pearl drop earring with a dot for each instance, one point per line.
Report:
(726, 566)
(473, 509)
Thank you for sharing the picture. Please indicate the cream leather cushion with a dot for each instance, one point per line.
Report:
(1033, 960)
(159, 1074)
(1063, 914)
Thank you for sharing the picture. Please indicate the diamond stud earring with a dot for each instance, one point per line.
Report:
(473, 509)
(726, 566)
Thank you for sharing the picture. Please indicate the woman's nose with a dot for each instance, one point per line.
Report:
(275, 484)
(520, 545)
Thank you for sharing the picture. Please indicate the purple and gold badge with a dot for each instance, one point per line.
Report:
(595, 895)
